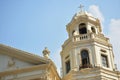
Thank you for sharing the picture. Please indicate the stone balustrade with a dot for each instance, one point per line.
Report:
(89, 36)
(85, 66)
(81, 37)
(85, 37)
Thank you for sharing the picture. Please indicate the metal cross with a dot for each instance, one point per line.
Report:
(81, 7)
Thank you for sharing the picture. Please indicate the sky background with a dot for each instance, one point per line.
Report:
(31, 25)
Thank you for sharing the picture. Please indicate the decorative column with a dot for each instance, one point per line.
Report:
(75, 60)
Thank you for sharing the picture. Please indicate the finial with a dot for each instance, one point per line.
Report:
(46, 53)
(81, 7)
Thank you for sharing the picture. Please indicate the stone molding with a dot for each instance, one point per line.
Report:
(22, 55)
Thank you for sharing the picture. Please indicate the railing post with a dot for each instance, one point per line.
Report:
(73, 39)
(92, 35)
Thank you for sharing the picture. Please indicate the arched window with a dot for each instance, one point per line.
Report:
(93, 29)
(85, 59)
(82, 28)
(67, 63)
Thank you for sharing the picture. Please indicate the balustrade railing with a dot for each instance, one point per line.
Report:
(81, 37)
(85, 66)
(89, 36)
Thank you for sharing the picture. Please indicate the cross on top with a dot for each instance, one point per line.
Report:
(81, 7)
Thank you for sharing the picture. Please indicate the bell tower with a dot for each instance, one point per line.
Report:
(87, 52)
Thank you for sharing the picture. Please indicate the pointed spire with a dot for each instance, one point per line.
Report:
(46, 53)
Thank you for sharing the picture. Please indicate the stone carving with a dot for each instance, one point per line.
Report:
(11, 62)
(75, 33)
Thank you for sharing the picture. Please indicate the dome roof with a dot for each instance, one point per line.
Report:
(83, 16)
(83, 13)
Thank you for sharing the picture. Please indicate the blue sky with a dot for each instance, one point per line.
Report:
(31, 25)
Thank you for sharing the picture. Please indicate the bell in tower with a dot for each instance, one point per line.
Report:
(87, 54)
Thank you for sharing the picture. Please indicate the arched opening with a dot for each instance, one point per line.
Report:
(93, 29)
(82, 28)
(85, 59)
(67, 63)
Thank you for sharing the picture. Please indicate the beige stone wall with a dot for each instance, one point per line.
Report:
(11, 63)
(92, 74)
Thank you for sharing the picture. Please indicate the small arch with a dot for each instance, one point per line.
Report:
(93, 29)
(68, 67)
(85, 59)
(82, 28)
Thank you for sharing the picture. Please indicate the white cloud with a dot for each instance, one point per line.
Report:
(114, 35)
(115, 27)
(95, 11)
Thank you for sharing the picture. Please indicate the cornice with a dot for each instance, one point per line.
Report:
(53, 69)
(23, 70)
(47, 67)
(22, 55)
(110, 72)
(70, 43)
(98, 71)
(100, 39)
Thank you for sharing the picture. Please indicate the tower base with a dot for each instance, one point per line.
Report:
(92, 74)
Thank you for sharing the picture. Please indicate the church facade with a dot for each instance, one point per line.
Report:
(86, 55)
(20, 65)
